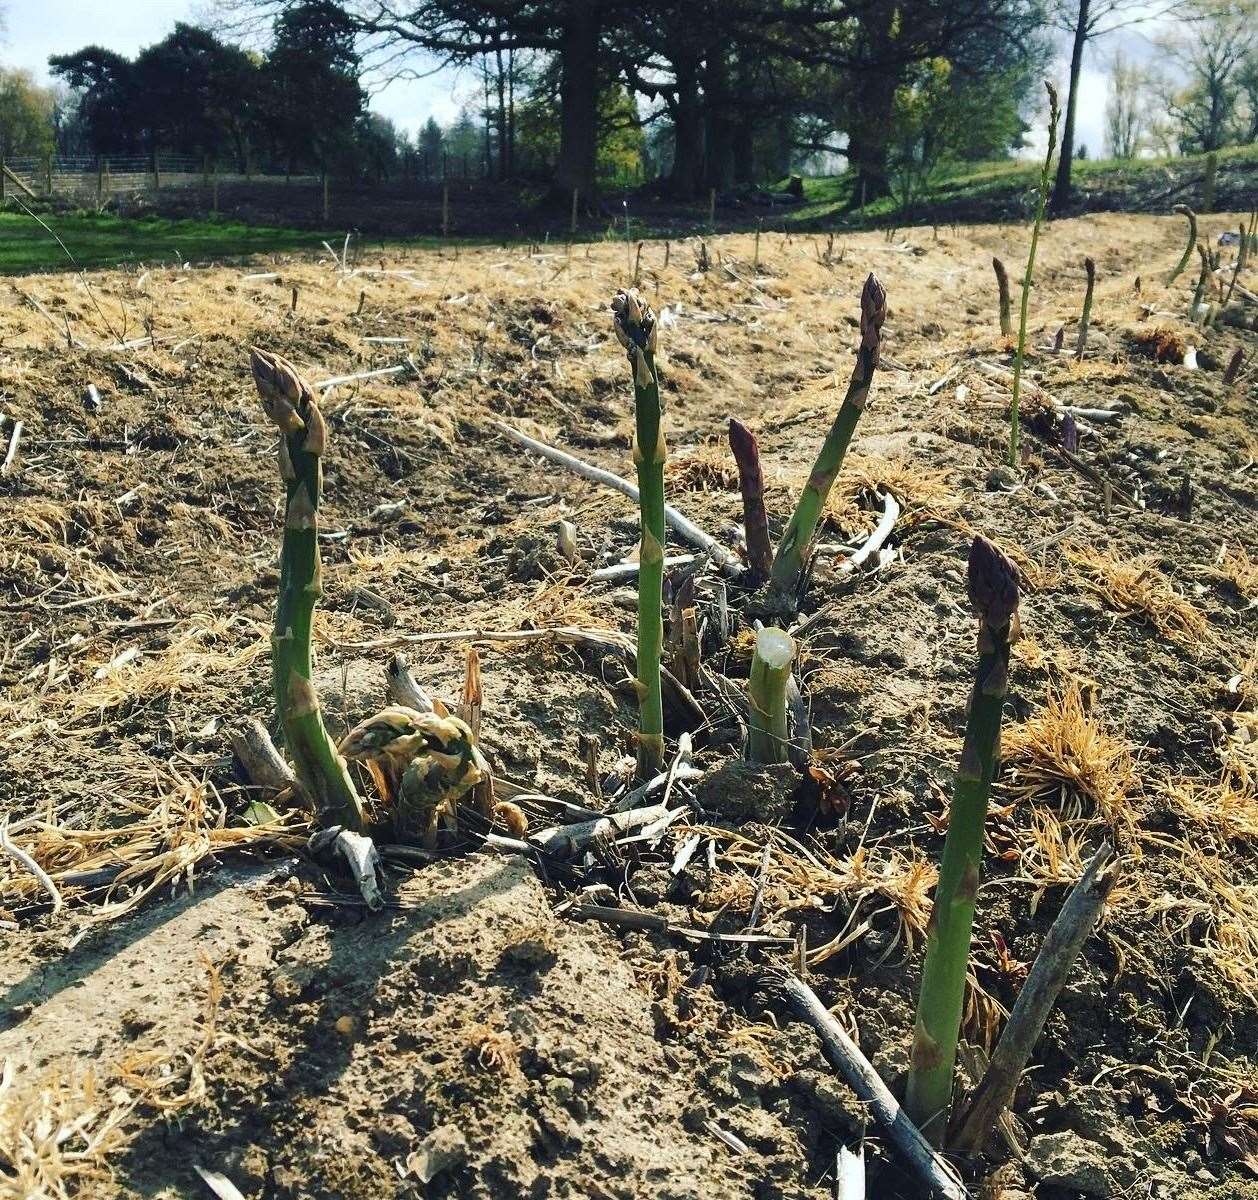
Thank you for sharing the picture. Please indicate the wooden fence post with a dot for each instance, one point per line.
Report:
(445, 210)
(573, 227)
(712, 208)
(157, 177)
(48, 174)
(100, 180)
(1208, 185)
(326, 196)
(3, 181)
(214, 186)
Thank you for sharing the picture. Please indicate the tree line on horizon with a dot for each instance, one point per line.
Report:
(690, 95)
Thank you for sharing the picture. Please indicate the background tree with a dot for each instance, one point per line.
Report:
(1207, 60)
(1125, 108)
(1085, 21)
(26, 112)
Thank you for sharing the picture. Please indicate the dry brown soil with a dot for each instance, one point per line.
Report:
(471, 1041)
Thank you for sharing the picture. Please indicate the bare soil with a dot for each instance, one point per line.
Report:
(472, 1040)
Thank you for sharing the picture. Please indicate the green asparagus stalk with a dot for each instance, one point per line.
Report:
(768, 739)
(993, 588)
(788, 563)
(1002, 291)
(1054, 111)
(1184, 211)
(290, 403)
(636, 328)
(1090, 267)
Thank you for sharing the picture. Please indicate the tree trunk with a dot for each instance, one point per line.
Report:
(718, 127)
(578, 104)
(870, 134)
(873, 102)
(1062, 189)
(744, 148)
(686, 178)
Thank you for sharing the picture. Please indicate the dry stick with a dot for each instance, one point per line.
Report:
(261, 761)
(1036, 999)
(15, 852)
(846, 1058)
(1233, 367)
(630, 918)
(402, 687)
(1002, 287)
(564, 840)
(14, 438)
(873, 543)
(751, 483)
(1090, 267)
(686, 528)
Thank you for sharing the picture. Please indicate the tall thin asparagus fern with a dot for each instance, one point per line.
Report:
(1054, 112)
(788, 563)
(993, 589)
(290, 403)
(636, 328)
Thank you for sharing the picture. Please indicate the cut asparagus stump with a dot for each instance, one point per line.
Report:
(636, 329)
(788, 563)
(993, 588)
(290, 403)
(768, 740)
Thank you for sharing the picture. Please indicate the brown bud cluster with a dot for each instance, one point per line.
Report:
(285, 395)
(634, 321)
(993, 584)
(873, 314)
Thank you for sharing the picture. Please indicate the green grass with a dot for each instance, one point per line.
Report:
(976, 183)
(102, 240)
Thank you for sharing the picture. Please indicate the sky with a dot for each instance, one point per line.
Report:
(34, 29)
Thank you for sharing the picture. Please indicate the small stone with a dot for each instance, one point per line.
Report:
(443, 1148)
(1001, 479)
(1070, 1161)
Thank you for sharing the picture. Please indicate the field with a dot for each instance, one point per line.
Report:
(209, 1002)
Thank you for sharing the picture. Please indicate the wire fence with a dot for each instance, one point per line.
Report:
(96, 181)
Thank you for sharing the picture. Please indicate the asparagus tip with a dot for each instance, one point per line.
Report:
(993, 583)
(634, 320)
(280, 387)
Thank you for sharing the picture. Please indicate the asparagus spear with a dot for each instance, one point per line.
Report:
(751, 483)
(636, 328)
(1090, 267)
(1184, 210)
(768, 739)
(788, 563)
(290, 403)
(1002, 291)
(993, 588)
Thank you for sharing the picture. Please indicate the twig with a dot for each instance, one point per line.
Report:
(627, 570)
(1036, 999)
(402, 686)
(630, 918)
(679, 770)
(684, 527)
(336, 380)
(882, 531)
(262, 762)
(846, 1058)
(14, 438)
(562, 841)
(9, 847)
